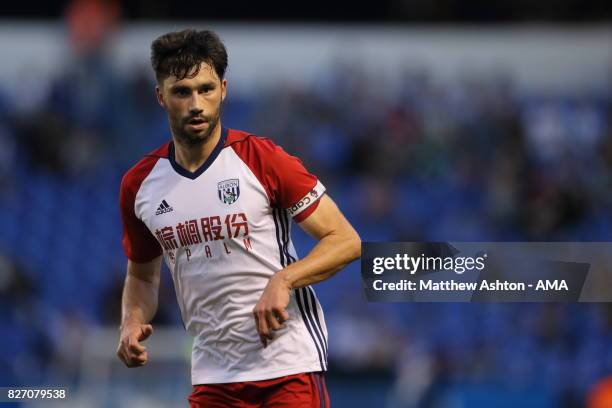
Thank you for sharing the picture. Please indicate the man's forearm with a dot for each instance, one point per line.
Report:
(139, 302)
(338, 244)
(332, 253)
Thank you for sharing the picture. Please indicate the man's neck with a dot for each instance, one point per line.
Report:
(191, 157)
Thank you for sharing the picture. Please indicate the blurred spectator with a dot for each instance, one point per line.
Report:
(600, 395)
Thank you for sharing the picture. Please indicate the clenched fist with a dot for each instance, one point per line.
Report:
(130, 351)
(270, 312)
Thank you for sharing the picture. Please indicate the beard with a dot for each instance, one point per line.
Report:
(190, 137)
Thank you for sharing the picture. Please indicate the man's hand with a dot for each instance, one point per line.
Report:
(270, 311)
(130, 351)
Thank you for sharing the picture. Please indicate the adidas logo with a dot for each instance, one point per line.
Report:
(163, 208)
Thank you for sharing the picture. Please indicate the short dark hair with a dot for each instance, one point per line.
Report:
(181, 53)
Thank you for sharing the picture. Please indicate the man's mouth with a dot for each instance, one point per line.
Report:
(197, 123)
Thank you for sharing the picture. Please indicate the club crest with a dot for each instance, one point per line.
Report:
(229, 191)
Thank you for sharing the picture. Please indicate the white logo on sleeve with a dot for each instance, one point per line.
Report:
(306, 201)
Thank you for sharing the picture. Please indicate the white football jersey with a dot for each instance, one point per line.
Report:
(224, 230)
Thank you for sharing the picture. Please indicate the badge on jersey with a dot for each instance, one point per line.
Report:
(229, 191)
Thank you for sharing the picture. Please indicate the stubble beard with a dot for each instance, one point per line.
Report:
(186, 137)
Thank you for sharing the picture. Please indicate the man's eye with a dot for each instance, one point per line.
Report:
(181, 92)
(206, 90)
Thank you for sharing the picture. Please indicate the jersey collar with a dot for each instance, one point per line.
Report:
(213, 155)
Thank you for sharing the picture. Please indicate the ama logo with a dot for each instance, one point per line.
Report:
(229, 191)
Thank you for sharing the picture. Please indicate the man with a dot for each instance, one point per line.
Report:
(216, 202)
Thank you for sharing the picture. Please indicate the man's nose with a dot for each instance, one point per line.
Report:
(195, 106)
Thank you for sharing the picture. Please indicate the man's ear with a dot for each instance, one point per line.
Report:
(160, 97)
(223, 89)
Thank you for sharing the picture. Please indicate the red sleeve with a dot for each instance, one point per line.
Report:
(139, 244)
(286, 181)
